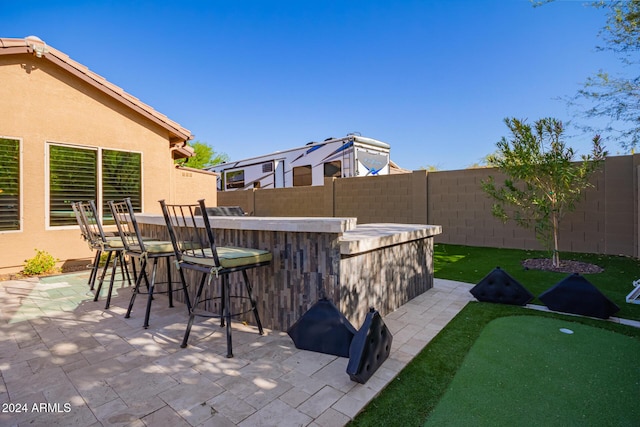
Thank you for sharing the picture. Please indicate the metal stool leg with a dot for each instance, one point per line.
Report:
(227, 312)
(169, 284)
(135, 272)
(104, 272)
(113, 277)
(124, 267)
(192, 311)
(136, 289)
(254, 306)
(185, 289)
(151, 288)
(223, 301)
(94, 269)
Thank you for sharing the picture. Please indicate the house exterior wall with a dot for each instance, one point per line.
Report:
(189, 185)
(42, 103)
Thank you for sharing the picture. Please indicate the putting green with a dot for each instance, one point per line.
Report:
(528, 370)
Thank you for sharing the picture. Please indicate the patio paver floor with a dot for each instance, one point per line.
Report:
(65, 360)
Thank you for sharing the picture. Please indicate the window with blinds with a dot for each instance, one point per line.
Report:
(121, 177)
(74, 176)
(9, 184)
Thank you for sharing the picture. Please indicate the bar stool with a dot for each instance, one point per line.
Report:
(195, 249)
(103, 243)
(144, 249)
(84, 231)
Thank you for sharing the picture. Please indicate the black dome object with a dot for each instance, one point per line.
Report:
(499, 287)
(576, 295)
(370, 348)
(323, 329)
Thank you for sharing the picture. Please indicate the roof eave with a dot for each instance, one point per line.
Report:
(177, 133)
(182, 151)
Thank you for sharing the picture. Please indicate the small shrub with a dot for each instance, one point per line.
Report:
(42, 263)
(103, 259)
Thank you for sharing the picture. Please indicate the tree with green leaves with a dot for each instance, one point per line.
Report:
(543, 181)
(614, 97)
(204, 156)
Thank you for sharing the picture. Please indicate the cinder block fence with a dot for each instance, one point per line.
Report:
(606, 221)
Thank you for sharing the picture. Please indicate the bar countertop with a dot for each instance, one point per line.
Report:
(354, 239)
(368, 237)
(265, 223)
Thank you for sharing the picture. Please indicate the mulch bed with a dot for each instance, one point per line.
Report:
(566, 266)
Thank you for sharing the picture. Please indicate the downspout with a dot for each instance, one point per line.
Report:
(172, 178)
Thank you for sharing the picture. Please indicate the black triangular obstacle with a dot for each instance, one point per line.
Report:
(323, 329)
(500, 287)
(370, 348)
(575, 294)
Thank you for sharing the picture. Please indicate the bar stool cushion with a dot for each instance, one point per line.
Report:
(158, 247)
(230, 256)
(114, 242)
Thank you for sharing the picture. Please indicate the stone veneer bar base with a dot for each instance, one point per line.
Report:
(383, 267)
(384, 278)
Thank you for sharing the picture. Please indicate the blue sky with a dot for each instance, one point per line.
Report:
(434, 79)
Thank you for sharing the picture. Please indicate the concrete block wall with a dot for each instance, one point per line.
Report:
(605, 220)
(583, 230)
(457, 202)
(297, 201)
(398, 198)
(244, 199)
(375, 198)
(621, 195)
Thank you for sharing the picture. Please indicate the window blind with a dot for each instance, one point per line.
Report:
(72, 177)
(9, 184)
(121, 177)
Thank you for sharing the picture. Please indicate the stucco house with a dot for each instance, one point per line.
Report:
(67, 134)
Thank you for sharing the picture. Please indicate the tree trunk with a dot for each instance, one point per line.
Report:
(556, 254)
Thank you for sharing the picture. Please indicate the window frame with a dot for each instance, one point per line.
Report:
(99, 179)
(234, 184)
(333, 164)
(20, 228)
(308, 168)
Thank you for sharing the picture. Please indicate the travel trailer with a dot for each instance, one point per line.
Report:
(353, 155)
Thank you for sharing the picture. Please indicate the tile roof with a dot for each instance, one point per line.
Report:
(35, 46)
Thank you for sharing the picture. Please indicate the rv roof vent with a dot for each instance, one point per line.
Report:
(329, 139)
(267, 167)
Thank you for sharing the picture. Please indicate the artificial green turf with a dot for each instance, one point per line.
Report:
(470, 264)
(525, 370)
(415, 392)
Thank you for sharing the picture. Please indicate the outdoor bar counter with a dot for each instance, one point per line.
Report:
(354, 266)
